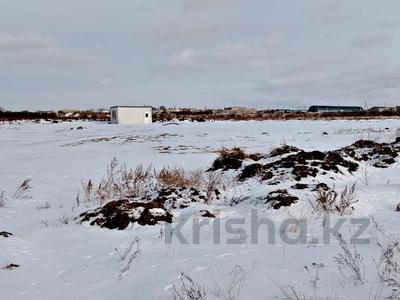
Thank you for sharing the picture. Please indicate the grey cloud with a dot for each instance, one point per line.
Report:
(50, 56)
(16, 42)
(334, 11)
(342, 86)
(228, 53)
(33, 49)
(188, 27)
(191, 52)
(203, 4)
(368, 42)
(388, 24)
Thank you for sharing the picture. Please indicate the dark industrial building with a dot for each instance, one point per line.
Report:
(334, 109)
(380, 109)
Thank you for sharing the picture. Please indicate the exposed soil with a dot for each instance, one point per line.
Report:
(5, 234)
(279, 198)
(121, 213)
(251, 171)
(304, 164)
(300, 186)
(300, 164)
(290, 163)
(285, 149)
(10, 266)
(381, 155)
(321, 186)
(233, 159)
(207, 214)
(226, 163)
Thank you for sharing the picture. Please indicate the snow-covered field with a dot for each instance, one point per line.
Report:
(59, 258)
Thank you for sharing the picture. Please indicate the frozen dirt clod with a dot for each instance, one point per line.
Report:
(207, 214)
(321, 186)
(380, 155)
(10, 267)
(226, 163)
(302, 164)
(279, 198)
(251, 171)
(5, 234)
(120, 214)
(300, 186)
(285, 149)
(231, 159)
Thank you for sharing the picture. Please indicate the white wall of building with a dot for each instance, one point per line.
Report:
(131, 115)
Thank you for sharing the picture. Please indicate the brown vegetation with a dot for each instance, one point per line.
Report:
(55, 117)
(333, 202)
(219, 115)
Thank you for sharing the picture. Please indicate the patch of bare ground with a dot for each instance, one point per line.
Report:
(145, 196)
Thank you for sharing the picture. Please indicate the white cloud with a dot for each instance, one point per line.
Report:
(181, 58)
(105, 81)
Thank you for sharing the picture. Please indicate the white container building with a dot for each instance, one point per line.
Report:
(131, 115)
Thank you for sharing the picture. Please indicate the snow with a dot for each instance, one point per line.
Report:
(62, 259)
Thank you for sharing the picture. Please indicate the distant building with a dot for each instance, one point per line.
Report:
(334, 109)
(284, 110)
(383, 109)
(237, 109)
(131, 115)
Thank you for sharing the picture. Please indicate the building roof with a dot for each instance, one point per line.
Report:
(132, 106)
(335, 106)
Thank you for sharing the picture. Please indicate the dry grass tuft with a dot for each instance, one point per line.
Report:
(212, 182)
(23, 189)
(189, 289)
(333, 202)
(3, 199)
(235, 152)
(349, 262)
(179, 178)
(122, 183)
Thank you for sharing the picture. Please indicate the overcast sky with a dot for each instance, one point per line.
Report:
(214, 53)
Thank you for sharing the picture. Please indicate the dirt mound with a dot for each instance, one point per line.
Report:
(279, 198)
(180, 197)
(226, 163)
(285, 149)
(321, 186)
(300, 186)
(304, 164)
(251, 171)
(119, 214)
(381, 155)
(233, 159)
